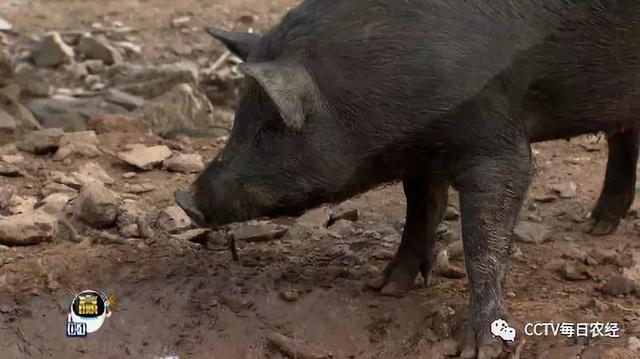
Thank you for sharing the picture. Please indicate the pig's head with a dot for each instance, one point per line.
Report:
(285, 153)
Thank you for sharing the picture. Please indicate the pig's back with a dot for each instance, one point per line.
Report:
(441, 50)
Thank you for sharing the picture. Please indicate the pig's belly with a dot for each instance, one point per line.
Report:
(542, 126)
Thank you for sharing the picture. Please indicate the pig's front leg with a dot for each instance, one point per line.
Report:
(492, 191)
(426, 202)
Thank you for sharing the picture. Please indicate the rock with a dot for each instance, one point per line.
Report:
(315, 218)
(95, 67)
(9, 170)
(129, 214)
(53, 187)
(12, 159)
(71, 113)
(91, 80)
(145, 157)
(173, 220)
(565, 189)
(532, 217)
(119, 124)
(342, 227)
(529, 232)
(5, 25)
(121, 98)
(97, 48)
(128, 175)
(574, 271)
(619, 285)
(28, 228)
(41, 141)
(633, 344)
(290, 295)
(96, 205)
(190, 110)
(51, 51)
(258, 232)
(297, 348)
(447, 347)
(32, 81)
(604, 256)
(83, 142)
(19, 204)
(55, 203)
(180, 21)
(632, 273)
(150, 82)
(575, 251)
(185, 163)
(139, 188)
(7, 122)
(451, 213)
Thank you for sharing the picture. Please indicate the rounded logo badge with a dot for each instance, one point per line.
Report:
(88, 312)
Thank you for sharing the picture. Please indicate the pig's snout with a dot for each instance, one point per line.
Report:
(184, 199)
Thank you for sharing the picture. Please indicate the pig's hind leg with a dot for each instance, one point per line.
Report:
(619, 184)
(426, 202)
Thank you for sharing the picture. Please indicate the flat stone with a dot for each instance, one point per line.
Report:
(82, 142)
(349, 215)
(94, 170)
(28, 228)
(197, 235)
(96, 205)
(95, 67)
(604, 256)
(173, 220)
(71, 113)
(139, 188)
(145, 157)
(12, 159)
(5, 25)
(259, 232)
(51, 51)
(41, 141)
(185, 163)
(7, 122)
(55, 203)
(53, 187)
(530, 232)
(149, 81)
(121, 98)
(315, 218)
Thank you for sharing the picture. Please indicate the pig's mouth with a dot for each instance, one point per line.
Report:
(185, 201)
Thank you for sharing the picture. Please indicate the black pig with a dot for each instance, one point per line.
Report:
(343, 96)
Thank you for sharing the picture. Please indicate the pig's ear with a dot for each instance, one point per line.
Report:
(240, 43)
(290, 87)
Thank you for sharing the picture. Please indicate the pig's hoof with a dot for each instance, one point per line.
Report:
(601, 227)
(486, 347)
(399, 276)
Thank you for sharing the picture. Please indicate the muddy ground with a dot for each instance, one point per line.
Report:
(190, 300)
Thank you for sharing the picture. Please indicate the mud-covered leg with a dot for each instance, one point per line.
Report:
(619, 184)
(491, 194)
(426, 202)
